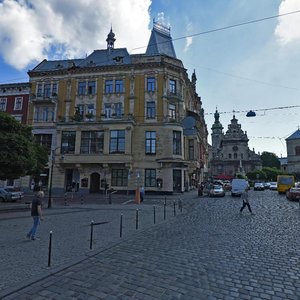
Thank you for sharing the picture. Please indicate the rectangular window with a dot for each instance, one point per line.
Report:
(150, 177)
(191, 150)
(172, 86)
(81, 88)
(44, 140)
(150, 142)
(176, 142)
(109, 87)
(172, 111)
(54, 89)
(107, 110)
(18, 103)
(150, 110)
(68, 141)
(118, 110)
(119, 86)
(91, 87)
(39, 90)
(117, 141)
(150, 84)
(297, 150)
(47, 90)
(119, 177)
(92, 142)
(3, 103)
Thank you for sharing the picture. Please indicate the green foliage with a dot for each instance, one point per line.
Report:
(266, 174)
(19, 154)
(271, 173)
(269, 159)
(257, 175)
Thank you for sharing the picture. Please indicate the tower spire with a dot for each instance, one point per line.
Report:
(110, 39)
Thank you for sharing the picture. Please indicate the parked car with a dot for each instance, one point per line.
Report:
(15, 195)
(293, 193)
(273, 186)
(4, 195)
(258, 186)
(267, 185)
(217, 191)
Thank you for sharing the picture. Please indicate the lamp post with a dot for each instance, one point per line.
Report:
(51, 177)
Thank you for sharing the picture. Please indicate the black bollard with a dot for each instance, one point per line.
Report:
(174, 208)
(164, 211)
(91, 237)
(81, 201)
(154, 214)
(121, 225)
(165, 200)
(66, 201)
(180, 204)
(50, 249)
(137, 219)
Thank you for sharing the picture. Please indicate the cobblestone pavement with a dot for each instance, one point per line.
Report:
(208, 252)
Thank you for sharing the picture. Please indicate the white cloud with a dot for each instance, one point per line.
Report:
(189, 39)
(287, 29)
(32, 30)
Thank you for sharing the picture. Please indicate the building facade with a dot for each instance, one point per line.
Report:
(293, 153)
(14, 99)
(230, 154)
(120, 121)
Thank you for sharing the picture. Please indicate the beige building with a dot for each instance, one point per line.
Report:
(120, 120)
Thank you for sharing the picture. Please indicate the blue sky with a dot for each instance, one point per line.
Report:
(251, 67)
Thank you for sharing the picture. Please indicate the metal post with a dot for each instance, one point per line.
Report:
(180, 204)
(50, 249)
(51, 177)
(137, 219)
(81, 197)
(174, 208)
(154, 214)
(91, 237)
(121, 225)
(164, 211)
(66, 200)
(165, 200)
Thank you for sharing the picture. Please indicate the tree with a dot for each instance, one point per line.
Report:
(19, 154)
(270, 160)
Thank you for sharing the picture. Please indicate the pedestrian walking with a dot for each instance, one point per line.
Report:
(246, 201)
(36, 213)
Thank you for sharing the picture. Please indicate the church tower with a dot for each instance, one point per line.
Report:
(110, 39)
(217, 133)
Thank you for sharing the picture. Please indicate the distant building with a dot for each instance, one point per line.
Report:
(293, 152)
(121, 120)
(230, 154)
(14, 99)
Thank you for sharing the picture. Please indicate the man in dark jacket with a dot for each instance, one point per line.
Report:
(36, 213)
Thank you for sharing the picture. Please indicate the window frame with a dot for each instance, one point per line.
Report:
(20, 106)
(91, 87)
(177, 142)
(109, 86)
(3, 103)
(119, 177)
(69, 137)
(151, 84)
(150, 110)
(172, 86)
(91, 140)
(150, 177)
(117, 142)
(150, 142)
(81, 89)
(119, 86)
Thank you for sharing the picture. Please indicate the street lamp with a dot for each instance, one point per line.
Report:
(51, 176)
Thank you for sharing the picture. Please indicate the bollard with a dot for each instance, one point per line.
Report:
(81, 199)
(180, 204)
(66, 200)
(165, 200)
(91, 237)
(164, 211)
(154, 214)
(174, 208)
(121, 225)
(50, 249)
(110, 198)
(137, 219)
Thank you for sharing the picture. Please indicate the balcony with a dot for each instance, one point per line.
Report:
(40, 98)
(174, 95)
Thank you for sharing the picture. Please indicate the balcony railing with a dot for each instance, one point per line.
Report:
(174, 95)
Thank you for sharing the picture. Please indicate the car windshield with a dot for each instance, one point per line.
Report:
(217, 187)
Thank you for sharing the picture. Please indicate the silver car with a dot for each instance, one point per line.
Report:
(4, 195)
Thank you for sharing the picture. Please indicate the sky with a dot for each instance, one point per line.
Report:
(248, 67)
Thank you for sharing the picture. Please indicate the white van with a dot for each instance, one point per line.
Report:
(238, 186)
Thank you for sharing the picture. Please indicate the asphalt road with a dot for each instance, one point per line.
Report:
(207, 251)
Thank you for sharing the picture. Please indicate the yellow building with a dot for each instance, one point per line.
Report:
(120, 120)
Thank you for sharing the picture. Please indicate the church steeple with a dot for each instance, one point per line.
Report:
(194, 80)
(110, 39)
(217, 132)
